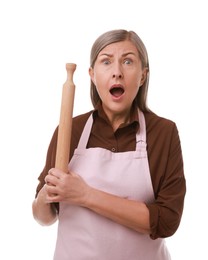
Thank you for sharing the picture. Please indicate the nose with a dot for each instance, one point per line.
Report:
(117, 71)
(117, 76)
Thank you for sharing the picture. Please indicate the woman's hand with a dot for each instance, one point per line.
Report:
(44, 212)
(67, 187)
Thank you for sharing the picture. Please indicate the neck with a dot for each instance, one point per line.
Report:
(116, 119)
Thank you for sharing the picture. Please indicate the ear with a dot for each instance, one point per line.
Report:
(91, 73)
(144, 76)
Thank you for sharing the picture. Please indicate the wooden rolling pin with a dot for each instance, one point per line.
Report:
(65, 122)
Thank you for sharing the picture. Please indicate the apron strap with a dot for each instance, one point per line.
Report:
(141, 145)
(85, 133)
(141, 134)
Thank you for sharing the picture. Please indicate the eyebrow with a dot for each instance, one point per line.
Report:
(123, 55)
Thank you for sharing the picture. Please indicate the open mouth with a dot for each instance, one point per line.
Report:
(117, 90)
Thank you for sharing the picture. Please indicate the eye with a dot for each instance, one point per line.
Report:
(106, 61)
(127, 61)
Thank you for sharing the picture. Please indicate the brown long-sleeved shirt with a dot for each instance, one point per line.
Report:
(164, 155)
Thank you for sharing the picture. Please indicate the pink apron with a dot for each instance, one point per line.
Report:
(85, 235)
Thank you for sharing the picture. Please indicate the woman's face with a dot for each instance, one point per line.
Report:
(118, 75)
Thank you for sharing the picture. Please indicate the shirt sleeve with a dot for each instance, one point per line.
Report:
(50, 161)
(166, 211)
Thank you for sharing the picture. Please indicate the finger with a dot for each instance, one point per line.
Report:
(51, 189)
(52, 198)
(56, 172)
(52, 180)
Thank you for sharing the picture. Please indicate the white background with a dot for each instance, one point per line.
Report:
(37, 38)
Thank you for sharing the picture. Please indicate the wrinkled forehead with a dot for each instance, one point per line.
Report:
(119, 47)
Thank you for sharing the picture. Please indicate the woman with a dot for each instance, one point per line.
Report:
(125, 189)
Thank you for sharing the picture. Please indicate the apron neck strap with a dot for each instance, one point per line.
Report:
(141, 134)
(85, 133)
